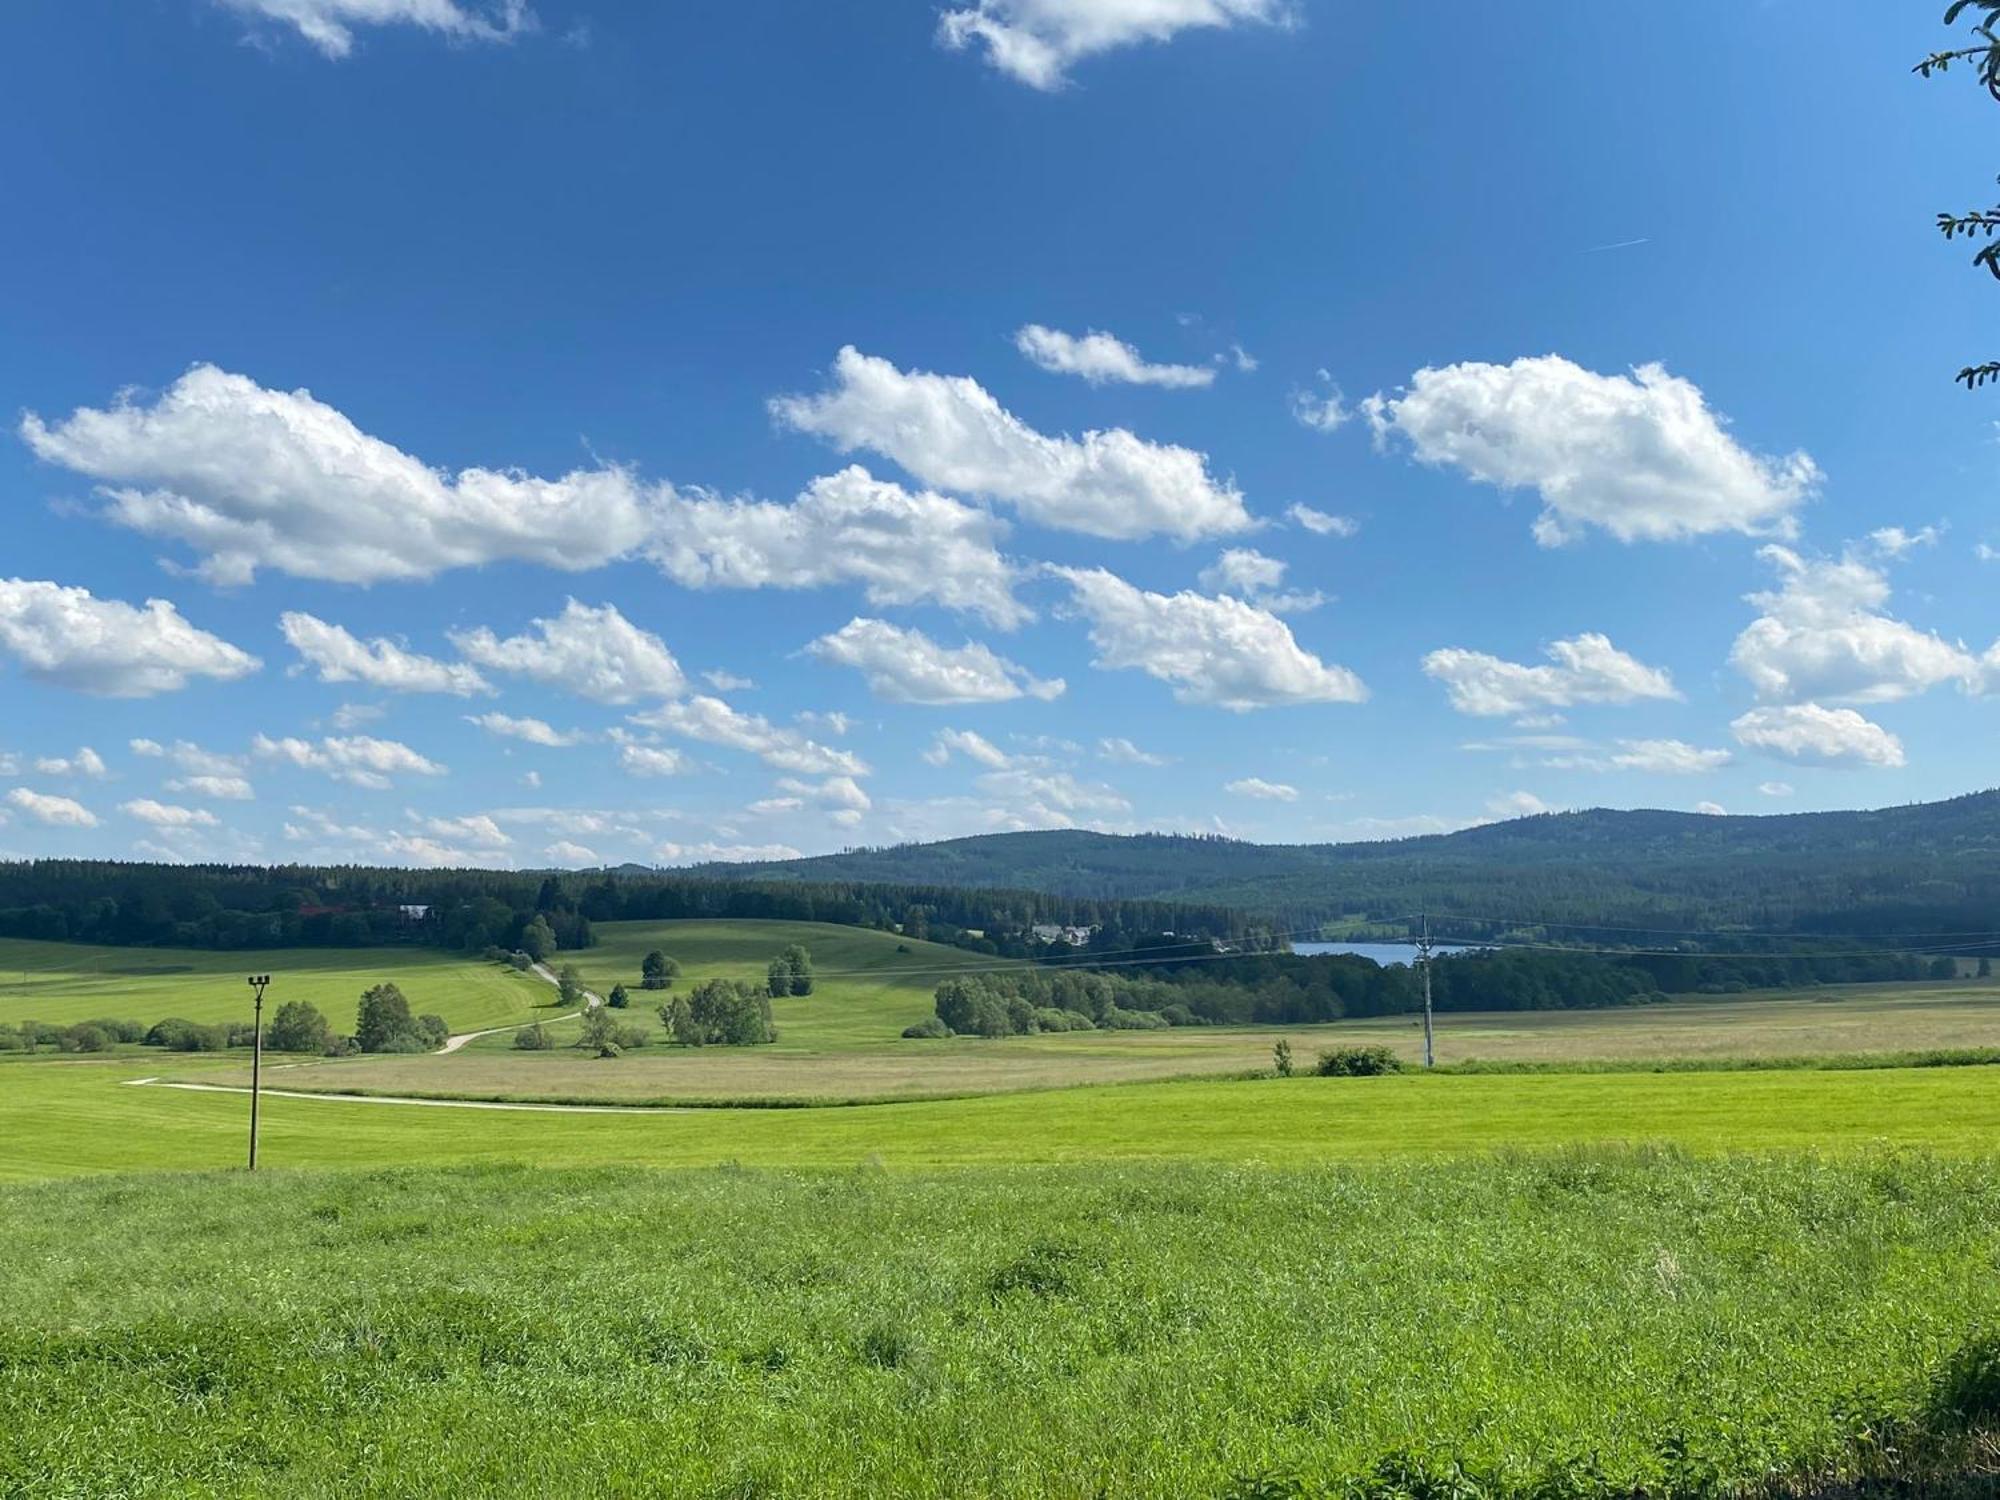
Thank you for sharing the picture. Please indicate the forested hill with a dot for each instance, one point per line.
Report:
(1924, 867)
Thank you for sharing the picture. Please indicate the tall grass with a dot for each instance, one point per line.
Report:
(1586, 1323)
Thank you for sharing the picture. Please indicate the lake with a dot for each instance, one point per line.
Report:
(1382, 953)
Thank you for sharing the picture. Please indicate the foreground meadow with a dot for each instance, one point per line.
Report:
(64, 1118)
(1586, 1324)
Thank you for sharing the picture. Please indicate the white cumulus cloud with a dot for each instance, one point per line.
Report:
(1121, 751)
(1103, 359)
(1262, 790)
(166, 814)
(1323, 523)
(358, 760)
(1823, 635)
(1584, 669)
(1249, 574)
(533, 731)
(1811, 733)
(651, 760)
(86, 762)
(252, 478)
(1668, 757)
(1640, 456)
(972, 745)
(714, 722)
(1221, 651)
(948, 432)
(1036, 41)
(71, 638)
(340, 657)
(907, 666)
(901, 546)
(593, 653)
(56, 812)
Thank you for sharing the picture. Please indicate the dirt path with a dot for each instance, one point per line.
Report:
(591, 1000)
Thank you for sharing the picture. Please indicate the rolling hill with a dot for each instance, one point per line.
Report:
(1879, 870)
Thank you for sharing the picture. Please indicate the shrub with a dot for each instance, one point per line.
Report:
(569, 988)
(1281, 1058)
(493, 953)
(299, 1027)
(799, 966)
(720, 1012)
(433, 1030)
(179, 1035)
(618, 999)
(85, 1036)
(240, 1033)
(14, 1041)
(658, 972)
(929, 1028)
(533, 1038)
(119, 1031)
(1358, 1062)
(520, 960)
(1132, 1020)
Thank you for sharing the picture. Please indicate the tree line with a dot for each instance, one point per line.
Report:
(1277, 989)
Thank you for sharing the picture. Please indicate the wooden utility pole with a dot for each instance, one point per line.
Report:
(257, 982)
(1424, 961)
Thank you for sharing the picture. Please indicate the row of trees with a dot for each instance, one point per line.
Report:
(1293, 989)
(383, 1022)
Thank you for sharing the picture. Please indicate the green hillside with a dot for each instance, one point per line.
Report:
(1924, 866)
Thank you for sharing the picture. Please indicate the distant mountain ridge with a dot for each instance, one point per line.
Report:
(1858, 870)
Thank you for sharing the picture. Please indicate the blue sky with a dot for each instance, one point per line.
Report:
(599, 431)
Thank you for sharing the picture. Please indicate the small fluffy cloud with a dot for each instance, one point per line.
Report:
(329, 25)
(1641, 456)
(1323, 409)
(651, 760)
(563, 852)
(1823, 635)
(86, 762)
(1037, 796)
(358, 760)
(1036, 41)
(1774, 788)
(593, 653)
(166, 815)
(1221, 652)
(1584, 669)
(714, 722)
(1323, 523)
(1248, 574)
(339, 657)
(69, 637)
(1810, 733)
(1123, 752)
(1711, 809)
(1668, 757)
(252, 478)
(1262, 790)
(948, 432)
(533, 731)
(974, 747)
(907, 666)
(841, 797)
(1516, 805)
(1102, 359)
(56, 812)
(1894, 541)
(901, 546)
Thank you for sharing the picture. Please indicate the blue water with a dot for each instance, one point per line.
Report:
(1382, 953)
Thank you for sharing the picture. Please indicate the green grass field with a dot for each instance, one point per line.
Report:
(65, 982)
(1533, 1286)
(1582, 1325)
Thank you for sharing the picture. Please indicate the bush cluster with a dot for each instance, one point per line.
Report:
(720, 1013)
(1358, 1062)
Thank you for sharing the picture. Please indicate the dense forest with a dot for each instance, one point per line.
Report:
(243, 907)
(1592, 877)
